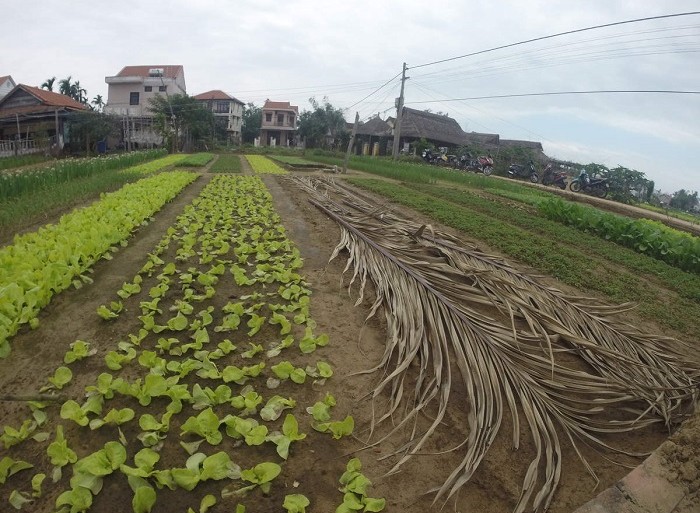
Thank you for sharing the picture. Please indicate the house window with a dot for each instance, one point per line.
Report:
(222, 107)
(162, 89)
(280, 118)
(268, 117)
(134, 98)
(148, 89)
(291, 120)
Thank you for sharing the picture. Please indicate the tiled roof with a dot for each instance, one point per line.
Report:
(216, 94)
(51, 99)
(5, 79)
(169, 70)
(280, 106)
(49, 102)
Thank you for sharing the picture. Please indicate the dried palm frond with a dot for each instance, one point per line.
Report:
(435, 298)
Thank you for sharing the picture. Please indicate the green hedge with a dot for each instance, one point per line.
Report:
(652, 238)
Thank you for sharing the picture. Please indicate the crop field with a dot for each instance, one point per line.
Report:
(294, 161)
(226, 163)
(249, 340)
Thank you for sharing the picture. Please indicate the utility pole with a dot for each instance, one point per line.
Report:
(399, 115)
(351, 142)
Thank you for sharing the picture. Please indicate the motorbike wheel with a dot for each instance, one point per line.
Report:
(561, 185)
(534, 178)
(600, 192)
(488, 170)
(575, 186)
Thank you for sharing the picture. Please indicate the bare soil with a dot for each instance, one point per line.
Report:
(356, 345)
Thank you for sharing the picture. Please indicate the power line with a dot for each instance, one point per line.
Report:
(636, 20)
(556, 93)
(375, 91)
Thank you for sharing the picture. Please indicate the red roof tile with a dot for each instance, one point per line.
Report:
(216, 94)
(169, 70)
(49, 102)
(51, 99)
(280, 106)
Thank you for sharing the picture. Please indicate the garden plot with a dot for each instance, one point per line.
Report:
(209, 394)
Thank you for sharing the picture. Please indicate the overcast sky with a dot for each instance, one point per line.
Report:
(292, 50)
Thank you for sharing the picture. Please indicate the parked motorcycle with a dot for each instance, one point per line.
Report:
(524, 171)
(594, 186)
(550, 177)
(436, 158)
(482, 163)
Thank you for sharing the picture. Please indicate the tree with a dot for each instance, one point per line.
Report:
(684, 200)
(73, 89)
(88, 127)
(48, 84)
(627, 185)
(323, 126)
(252, 121)
(98, 103)
(181, 119)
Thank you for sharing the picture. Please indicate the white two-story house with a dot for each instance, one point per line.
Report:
(279, 124)
(227, 110)
(129, 93)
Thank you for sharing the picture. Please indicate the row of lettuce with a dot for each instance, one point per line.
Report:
(224, 352)
(653, 238)
(40, 264)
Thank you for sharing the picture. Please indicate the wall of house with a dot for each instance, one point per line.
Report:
(289, 119)
(5, 88)
(118, 94)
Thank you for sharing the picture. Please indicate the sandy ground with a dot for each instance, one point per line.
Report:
(355, 345)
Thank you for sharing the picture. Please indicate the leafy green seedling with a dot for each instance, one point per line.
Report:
(321, 410)
(61, 377)
(309, 343)
(115, 417)
(285, 325)
(255, 323)
(71, 410)
(60, 454)
(290, 433)
(37, 482)
(260, 475)
(205, 425)
(275, 406)
(11, 436)
(9, 467)
(295, 503)
(337, 428)
(78, 350)
(275, 350)
(18, 499)
(128, 290)
(254, 350)
(247, 429)
(207, 502)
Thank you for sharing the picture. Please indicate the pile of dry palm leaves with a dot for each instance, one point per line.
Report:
(460, 314)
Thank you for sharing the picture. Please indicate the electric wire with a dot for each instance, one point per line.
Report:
(557, 93)
(559, 34)
(375, 91)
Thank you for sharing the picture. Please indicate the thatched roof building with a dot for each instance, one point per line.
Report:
(436, 128)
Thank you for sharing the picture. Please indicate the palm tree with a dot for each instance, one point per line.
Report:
(79, 94)
(99, 103)
(65, 86)
(48, 84)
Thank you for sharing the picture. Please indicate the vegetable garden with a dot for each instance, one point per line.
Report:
(215, 365)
